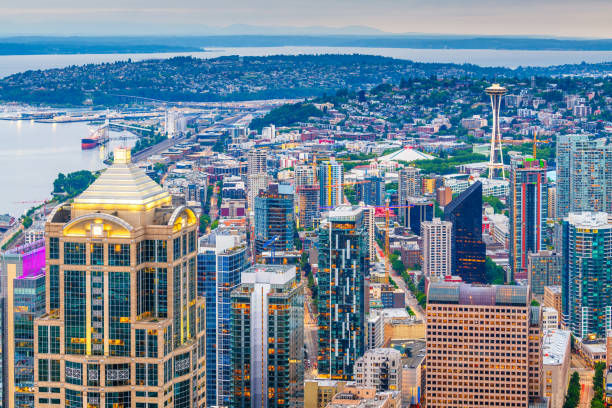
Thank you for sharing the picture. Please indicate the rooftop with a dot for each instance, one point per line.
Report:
(555, 345)
(407, 154)
(123, 185)
(482, 295)
(589, 220)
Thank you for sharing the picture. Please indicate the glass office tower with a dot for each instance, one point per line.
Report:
(222, 257)
(23, 293)
(587, 273)
(122, 293)
(469, 251)
(343, 266)
(274, 217)
(268, 339)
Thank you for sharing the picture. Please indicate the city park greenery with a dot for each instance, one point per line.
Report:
(72, 184)
(286, 115)
(447, 165)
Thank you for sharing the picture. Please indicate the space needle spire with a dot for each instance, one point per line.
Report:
(496, 160)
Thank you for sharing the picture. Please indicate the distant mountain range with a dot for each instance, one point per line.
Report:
(254, 36)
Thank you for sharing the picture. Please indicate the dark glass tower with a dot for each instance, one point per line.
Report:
(372, 192)
(274, 217)
(343, 264)
(469, 251)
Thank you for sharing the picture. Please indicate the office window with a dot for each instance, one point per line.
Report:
(117, 374)
(119, 254)
(118, 399)
(141, 374)
(141, 343)
(74, 253)
(43, 339)
(96, 252)
(119, 313)
(74, 399)
(43, 370)
(54, 302)
(152, 375)
(152, 344)
(74, 373)
(93, 375)
(176, 248)
(74, 311)
(54, 247)
(54, 371)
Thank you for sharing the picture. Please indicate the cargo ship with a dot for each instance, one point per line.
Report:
(98, 137)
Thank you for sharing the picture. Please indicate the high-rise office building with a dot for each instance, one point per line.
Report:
(307, 197)
(587, 273)
(222, 257)
(552, 202)
(23, 298)
(564, 146)
(468, 249)
(528, 203)
(268, 339)
(415, 211)
(408, 185)
(331, 178)
(437, 247)
(372, 192)
(483, 346)
(121, 291)
(274, 219)
(543, 269)
(584, 174)
(343, 265)
(380, 368)
(257, 161)
(257, 174)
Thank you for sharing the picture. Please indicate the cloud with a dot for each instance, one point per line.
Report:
(586, 18)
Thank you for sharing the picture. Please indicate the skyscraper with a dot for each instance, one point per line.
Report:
(409, 185)
(372, 192)
(563, 155)
(23, 298)
(584, 174)
(268, 339)
(222, 258)
(331, 178)
(274, 217)
(496, 160)
(587, 273)
(122, 293)
(483, 346)
(528, 204)
(415, 211)
(257, 174)
(437, 247)
(543, 269)
(307, 197)
(343, 265)
(469, 251)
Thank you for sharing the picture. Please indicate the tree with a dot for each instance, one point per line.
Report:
(496, 275)
(27, 222)
(572, 398)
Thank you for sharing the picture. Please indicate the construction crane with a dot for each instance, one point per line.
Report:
(315, 187)
(43, 202)
(270, 242)
(387, 255)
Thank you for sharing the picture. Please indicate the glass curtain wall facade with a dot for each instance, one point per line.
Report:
(528, 204)
(274, 217)
(23, 295)
(221, 261)
(469, 251)
(124, 325)
(343, 266)
(331, 177)
(587, 274)
(268, 339)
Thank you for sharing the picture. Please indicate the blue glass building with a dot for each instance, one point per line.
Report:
(221, 260)
(274, 216)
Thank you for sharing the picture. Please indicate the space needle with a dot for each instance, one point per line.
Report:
(496, 161)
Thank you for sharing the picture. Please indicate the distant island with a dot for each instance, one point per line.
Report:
(148, 44)
(85, 45)
(235, 78)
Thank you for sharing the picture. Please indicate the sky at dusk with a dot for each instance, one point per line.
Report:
(571, 18)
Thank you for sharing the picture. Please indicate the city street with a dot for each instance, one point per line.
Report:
(586, 380)
(310, 337)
